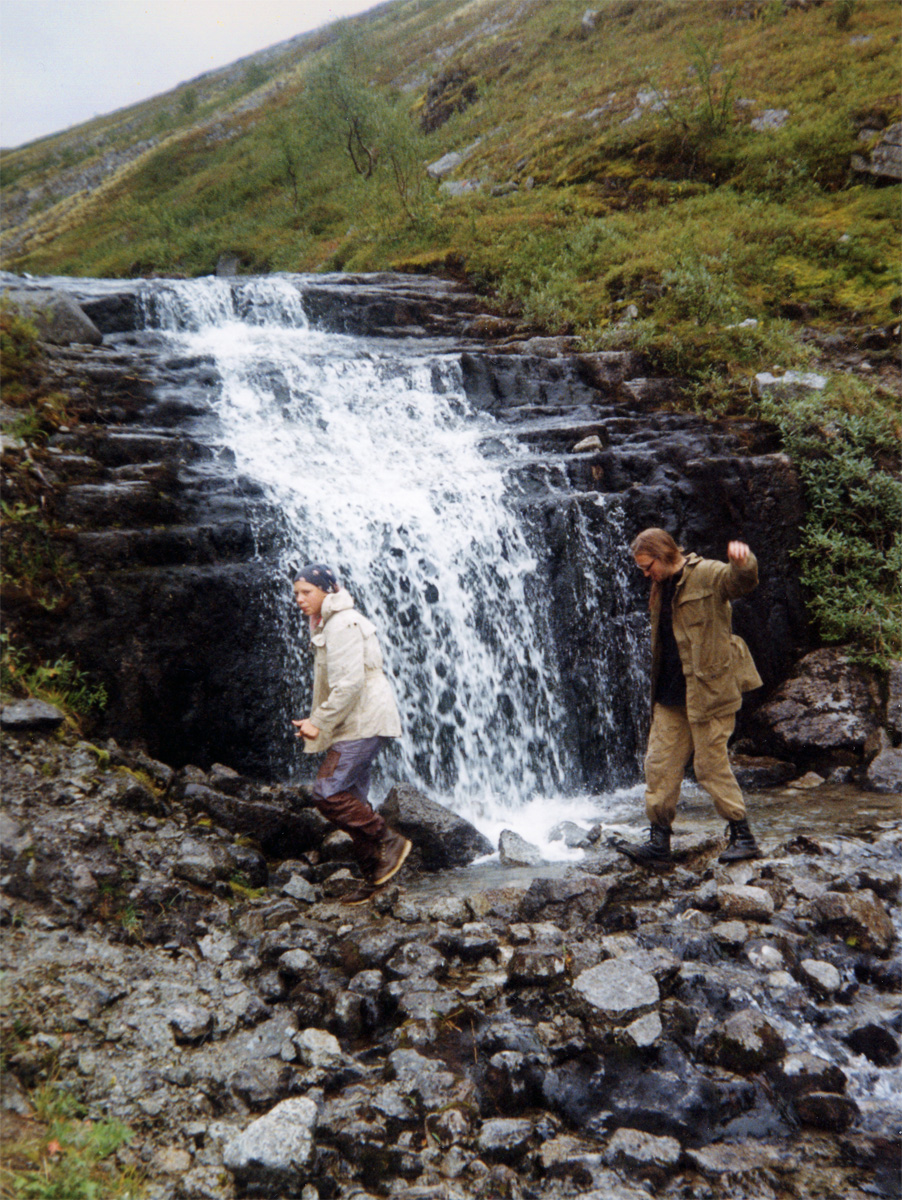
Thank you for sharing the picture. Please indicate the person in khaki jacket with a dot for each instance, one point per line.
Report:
(700, 669)
(354, 712)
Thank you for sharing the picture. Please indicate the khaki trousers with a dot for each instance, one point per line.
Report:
(672, 741)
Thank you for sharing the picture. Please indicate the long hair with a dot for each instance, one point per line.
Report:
(656, 543)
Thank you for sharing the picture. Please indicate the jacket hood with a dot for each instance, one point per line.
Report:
(336, 602)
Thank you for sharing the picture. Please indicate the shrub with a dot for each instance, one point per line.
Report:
(846, 447)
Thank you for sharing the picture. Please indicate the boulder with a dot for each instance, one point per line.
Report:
(827, 1110)
(829, 704)
(635, 1149)
(885, 772)
(190, 1022)
(745, 1043)
(441, 838)
(760, 773)
(30, 716)
(798, 1074)
(875, 1042)
(616, 991)
(885, 157)
(570, 901)
(822, 977)
(535, 965)
(275, 1154)
(894, 699)
(280, 831)
(56, 316)
(745, 903)
(515, 851)
(860, 919)
(771, 118)
(505, 1139)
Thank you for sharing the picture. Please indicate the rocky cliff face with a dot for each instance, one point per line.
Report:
(172, 543)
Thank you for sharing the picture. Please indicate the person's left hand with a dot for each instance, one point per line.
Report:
(737, 553)
(306, 729)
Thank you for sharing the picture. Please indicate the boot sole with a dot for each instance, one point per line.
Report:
(408, 846)
(727, 859)
(354, 898)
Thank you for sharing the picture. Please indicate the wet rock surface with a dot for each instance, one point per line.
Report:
(547, 1031)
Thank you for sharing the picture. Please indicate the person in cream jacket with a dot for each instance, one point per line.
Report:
(354, 712)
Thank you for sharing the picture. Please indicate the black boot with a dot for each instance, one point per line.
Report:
(655, 850)
(741, 845)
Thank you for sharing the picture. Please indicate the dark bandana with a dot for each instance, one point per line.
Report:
(319, 575)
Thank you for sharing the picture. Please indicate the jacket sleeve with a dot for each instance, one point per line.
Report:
(344, 668)
(732, 581)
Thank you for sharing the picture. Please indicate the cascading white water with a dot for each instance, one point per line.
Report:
(372, 456)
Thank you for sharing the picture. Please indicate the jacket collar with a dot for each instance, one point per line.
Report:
(335, 602)
(692, 560)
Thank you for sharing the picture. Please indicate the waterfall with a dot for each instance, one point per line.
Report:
(371, 454)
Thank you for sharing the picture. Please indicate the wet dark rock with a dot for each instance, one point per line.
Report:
(797, 1074)
(828, 704)
(577, 899)
(827, 1110)
(745, 1042)
(760, 773)
(441, 838)
(875, 1042)
(860, 920)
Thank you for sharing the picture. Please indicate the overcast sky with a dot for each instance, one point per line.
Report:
(66, 61)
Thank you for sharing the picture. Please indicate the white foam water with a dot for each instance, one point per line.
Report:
(371, 454)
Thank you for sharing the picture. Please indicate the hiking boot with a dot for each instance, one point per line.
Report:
(360, 895)
(741, 845)
(655, 850)
(393, 849)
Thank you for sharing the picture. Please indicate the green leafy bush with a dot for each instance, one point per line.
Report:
(60, 682)
(846, 447)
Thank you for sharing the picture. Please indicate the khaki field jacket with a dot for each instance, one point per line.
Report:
(352, 698)
(717, 664)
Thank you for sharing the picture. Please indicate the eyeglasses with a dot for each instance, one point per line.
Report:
(646, 571)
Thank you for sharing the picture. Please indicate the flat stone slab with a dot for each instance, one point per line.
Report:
(23, 716)
(617, 990)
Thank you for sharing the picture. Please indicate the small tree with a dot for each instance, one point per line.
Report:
(371, 127)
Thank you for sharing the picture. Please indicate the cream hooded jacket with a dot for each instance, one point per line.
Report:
(352, 698)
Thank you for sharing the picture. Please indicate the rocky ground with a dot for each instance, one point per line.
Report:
(175, 954)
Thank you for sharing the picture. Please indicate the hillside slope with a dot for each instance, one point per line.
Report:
(614, 164)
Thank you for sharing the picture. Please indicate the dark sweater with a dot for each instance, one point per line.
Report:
(670, 687)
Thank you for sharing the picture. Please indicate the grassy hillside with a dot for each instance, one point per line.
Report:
(675, 176)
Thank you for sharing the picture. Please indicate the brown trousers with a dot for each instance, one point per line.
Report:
(672, 741)
(347, 767)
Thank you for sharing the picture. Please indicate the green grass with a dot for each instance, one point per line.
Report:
(62, 1155)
